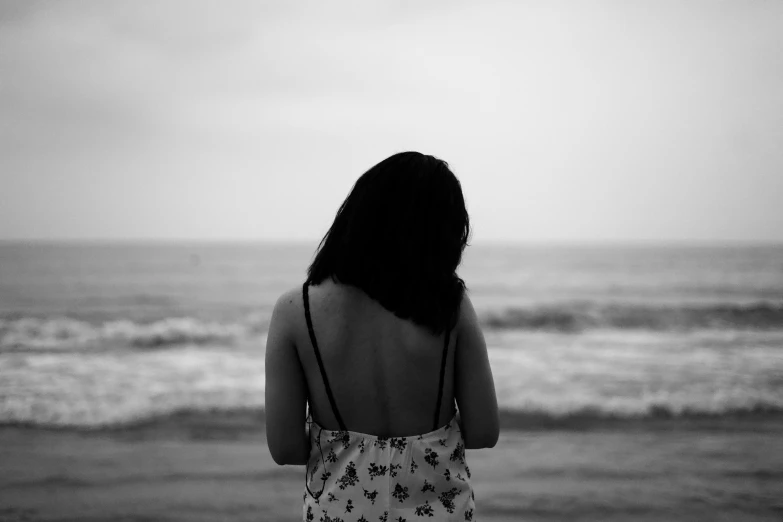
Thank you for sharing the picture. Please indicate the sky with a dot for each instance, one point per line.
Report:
(584, 121)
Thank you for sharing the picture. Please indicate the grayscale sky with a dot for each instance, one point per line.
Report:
(584, 121)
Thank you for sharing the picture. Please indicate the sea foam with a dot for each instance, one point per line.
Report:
(62, 333)
(558, 377)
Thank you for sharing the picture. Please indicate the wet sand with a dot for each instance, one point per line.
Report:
(209, 468)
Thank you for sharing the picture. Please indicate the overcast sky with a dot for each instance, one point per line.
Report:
(586, 121)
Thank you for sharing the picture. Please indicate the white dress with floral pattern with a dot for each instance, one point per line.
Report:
(363, 478)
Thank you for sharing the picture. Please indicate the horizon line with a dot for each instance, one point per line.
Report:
(494, 241)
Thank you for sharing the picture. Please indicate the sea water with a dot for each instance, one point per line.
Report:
(108, 334)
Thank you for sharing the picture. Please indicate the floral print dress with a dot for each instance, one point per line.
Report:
(356, 477)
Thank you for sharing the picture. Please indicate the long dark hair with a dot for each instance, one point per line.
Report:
(399, 237)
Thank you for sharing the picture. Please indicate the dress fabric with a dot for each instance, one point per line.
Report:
(357, 477)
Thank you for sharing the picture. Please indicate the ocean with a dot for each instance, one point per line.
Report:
(635, 382)
(96, 335)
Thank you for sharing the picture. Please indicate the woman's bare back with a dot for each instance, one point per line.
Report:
(383, 370)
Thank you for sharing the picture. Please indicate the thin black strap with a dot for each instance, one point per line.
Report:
(306, 298)
(442, 376)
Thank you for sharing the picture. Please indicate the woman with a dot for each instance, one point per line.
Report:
(381, 341)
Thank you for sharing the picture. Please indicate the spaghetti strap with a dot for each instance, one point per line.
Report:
(335, 411)
(442, 376)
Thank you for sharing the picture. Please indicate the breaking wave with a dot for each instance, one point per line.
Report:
(64, 334)
(576, 317)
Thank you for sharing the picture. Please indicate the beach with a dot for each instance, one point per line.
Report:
(603, 191)
(635, 383)
(217, 467)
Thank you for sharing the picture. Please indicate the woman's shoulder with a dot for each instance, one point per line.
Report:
(288, 305)
(467, 317)
(290, 298)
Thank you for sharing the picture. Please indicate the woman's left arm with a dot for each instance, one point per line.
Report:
(286, 387)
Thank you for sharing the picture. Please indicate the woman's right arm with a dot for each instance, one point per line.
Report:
(474, 387)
